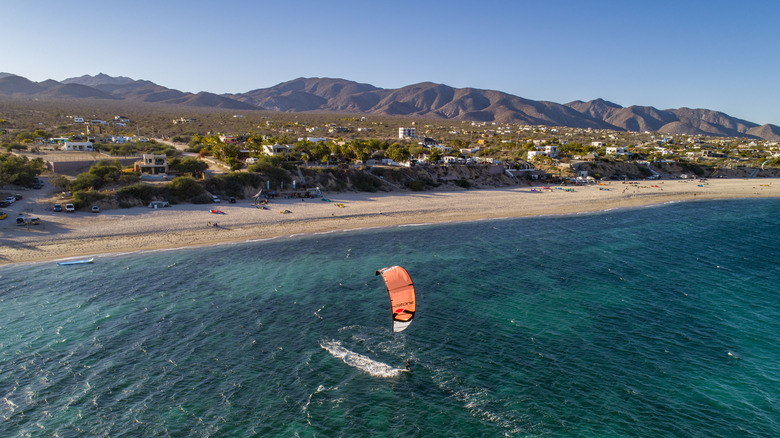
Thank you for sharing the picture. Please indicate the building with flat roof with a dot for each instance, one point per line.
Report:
(82, 146)
(406, 133)
(152, 164)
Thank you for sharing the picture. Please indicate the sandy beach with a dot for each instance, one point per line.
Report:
(65, 235)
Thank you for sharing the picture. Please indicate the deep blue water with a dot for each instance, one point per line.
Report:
(657, 321)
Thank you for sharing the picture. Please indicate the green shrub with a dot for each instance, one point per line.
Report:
(86, 181)
(276, 175)
(129, 178)
(190, 165)
(466, 184)
(107, 171)
(417, 185)
(364, 182)
(19, 170)
(87, 198)
(185, 187)
(59, 181)
(233, 184)
(203, 198)
(140, 193)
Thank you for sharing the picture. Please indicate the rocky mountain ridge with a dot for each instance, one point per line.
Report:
(426, 99)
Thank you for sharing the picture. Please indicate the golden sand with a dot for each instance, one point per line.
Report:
(63, 235)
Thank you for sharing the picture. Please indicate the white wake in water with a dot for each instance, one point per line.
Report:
(375, 368)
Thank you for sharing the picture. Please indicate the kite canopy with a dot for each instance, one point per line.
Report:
(402, 298)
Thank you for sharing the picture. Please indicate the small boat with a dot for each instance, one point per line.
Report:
(77, 262)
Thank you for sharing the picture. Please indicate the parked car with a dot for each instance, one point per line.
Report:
(10, 200)
(57, 207)
(38, 185)
(232, 200)
(3, 215)
(17, 196)
(95, 209)
(3, 203)
(215, 198)
(70, 208)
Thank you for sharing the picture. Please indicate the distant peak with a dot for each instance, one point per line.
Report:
(601, 101)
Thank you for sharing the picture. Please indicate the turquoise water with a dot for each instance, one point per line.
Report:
(658, 321)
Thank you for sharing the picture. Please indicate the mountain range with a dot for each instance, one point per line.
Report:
(427, 100)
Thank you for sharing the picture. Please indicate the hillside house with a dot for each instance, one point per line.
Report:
(550, 150)
(277, 149)
(81, 146)
(152, 164)
(711, 154)
(617, 150)
(315, 139)
(228, 139)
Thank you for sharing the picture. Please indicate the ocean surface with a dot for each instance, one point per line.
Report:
(656, 321)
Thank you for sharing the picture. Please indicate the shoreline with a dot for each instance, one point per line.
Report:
(81, 234)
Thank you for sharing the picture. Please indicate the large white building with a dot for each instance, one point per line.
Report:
(406, 133)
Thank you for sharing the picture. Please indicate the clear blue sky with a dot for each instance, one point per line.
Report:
(711, 54)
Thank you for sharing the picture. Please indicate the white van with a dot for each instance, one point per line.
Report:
(27, 220)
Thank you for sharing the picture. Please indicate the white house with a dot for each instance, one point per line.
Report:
(83, 146)
(551, 150)
(277, 149)
(442, 148)
(617, 150)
